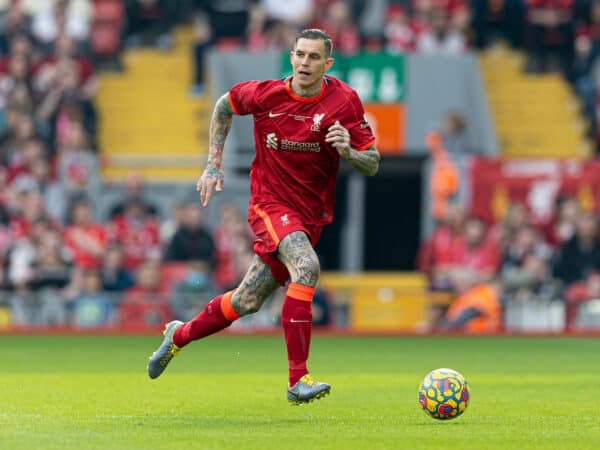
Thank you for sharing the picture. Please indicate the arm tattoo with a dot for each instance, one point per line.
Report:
(220, 124)
(257, 286)
(366, 162)
(300, 259)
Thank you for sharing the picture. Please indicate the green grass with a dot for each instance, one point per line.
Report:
(229, 392)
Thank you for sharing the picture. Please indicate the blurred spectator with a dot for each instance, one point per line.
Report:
(526, 241)
(150, 21)
(51, 264)
(77, 166)
(85, 238)
(233, 244)
(134, 191)
(475, 260)
(586, 70)
(477, 311)
(564, 225)
(40, 265)
(55, 202)
(193, 240)
(146, 304)
(441, 37)
(194, 291)
(115, 278)
(137, 232)
(296, 12)
(228, 19)
(169, 227)
(498, 19)
(454, 134)
(550, 34)
(202, 41)
(579, 256)
(92, 307)
(338, 23)
(503, 233)
(436, 255)
(399, 35)
(71, 17)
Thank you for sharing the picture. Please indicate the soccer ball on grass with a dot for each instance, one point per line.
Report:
(444, 394)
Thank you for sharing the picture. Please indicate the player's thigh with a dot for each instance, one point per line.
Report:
(257, 286)
(297, 253)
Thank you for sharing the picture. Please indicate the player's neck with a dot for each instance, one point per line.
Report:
(308, 91)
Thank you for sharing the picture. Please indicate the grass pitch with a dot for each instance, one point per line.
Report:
(229, 392)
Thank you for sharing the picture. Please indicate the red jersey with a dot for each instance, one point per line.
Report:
(294, 166)
(82, 257)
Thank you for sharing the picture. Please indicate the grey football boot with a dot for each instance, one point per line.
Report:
(161, 358)
(306, 390)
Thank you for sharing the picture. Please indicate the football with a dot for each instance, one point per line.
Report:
(444, 394)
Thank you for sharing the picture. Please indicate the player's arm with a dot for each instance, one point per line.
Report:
(365, 161)
(213, 175)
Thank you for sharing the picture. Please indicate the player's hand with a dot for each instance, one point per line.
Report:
(212, 178)
(339, 138)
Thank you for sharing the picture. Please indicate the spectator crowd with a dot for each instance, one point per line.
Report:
(63, 262)
(524, 261)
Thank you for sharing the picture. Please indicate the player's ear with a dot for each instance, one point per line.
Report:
(292, 57)
(328, 64)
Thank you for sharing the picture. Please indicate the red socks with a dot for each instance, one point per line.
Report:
(217, 315)
(296, 318)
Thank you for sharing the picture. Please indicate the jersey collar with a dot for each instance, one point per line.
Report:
(288, 88)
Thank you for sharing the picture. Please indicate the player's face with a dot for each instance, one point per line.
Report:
(309, 62)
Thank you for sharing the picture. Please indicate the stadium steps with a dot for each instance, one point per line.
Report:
(535, 115)
(149, 122)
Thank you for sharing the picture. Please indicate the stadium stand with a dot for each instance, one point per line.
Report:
(65, 264)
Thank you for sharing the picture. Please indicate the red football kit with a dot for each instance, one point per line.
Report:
(293, 175)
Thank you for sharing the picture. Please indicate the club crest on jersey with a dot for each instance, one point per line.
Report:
(272, 141)
(285, 220)
(316, 126)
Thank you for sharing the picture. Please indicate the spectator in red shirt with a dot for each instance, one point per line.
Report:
(85, 239)
(137, 232)
(436, 256)
(399, 35)
(476, 260)
(146, 304)
(338, 23)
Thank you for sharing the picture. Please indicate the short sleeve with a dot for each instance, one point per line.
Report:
(242, 97)
(361, 134)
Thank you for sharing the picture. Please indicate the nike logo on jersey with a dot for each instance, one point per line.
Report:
(299, 321)
(272, 114)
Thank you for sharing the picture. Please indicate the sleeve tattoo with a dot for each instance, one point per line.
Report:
(220, 124)
(365, 162)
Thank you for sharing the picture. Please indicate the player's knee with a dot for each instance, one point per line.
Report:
(248, 305)
(308, 270)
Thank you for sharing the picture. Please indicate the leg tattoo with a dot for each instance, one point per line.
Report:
(257, 286)
(298, 255)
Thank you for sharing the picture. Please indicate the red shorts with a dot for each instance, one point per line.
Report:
(271, 223)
